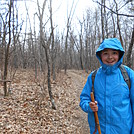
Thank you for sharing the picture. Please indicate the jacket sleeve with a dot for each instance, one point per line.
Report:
(85, 95)
(131, 75)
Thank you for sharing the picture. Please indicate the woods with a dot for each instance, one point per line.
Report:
(43, 68)
(48, 50)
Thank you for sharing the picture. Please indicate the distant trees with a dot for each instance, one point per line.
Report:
(49, 50)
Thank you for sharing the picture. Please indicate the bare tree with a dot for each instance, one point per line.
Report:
(7, 47)
(118, 23)
(66, 46)
(46, 45)
(69, 19)
(52, 33)
(81, 45)
(102, 19)
(130, 49)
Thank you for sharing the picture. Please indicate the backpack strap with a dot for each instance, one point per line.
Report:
(93, 77)
(125, 75)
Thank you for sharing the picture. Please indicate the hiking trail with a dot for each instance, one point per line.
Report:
(78, 82)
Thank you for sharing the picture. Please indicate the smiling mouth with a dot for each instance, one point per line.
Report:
(110, 62)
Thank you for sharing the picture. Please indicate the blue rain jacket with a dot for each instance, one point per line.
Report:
(115, 100)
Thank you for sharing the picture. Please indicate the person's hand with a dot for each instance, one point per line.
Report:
(93, 106)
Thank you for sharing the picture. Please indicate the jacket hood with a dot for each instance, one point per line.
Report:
(111, 43)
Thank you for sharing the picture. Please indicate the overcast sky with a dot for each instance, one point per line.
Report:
(59, 10)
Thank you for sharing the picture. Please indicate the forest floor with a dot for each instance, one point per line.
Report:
(27, 109)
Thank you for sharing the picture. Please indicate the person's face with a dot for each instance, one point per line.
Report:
(109, 56)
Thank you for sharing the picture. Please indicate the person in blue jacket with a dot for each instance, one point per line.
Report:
(114, 99)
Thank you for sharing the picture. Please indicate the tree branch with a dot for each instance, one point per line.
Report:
(120, 14)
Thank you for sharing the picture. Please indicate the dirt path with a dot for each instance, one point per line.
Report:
(78, 81)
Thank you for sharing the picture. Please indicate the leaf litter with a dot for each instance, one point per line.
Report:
(28, 110)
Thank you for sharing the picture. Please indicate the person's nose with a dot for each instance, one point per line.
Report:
(110, 56)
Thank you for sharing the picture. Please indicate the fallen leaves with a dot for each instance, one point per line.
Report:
(28, 110)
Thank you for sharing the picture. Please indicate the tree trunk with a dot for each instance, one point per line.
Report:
(52, 33)
(129, 52)
(102, 20)
(81, 52)
(66, 46)
(7, 51)
(46, 47)
(49, 77)
(118, 24)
